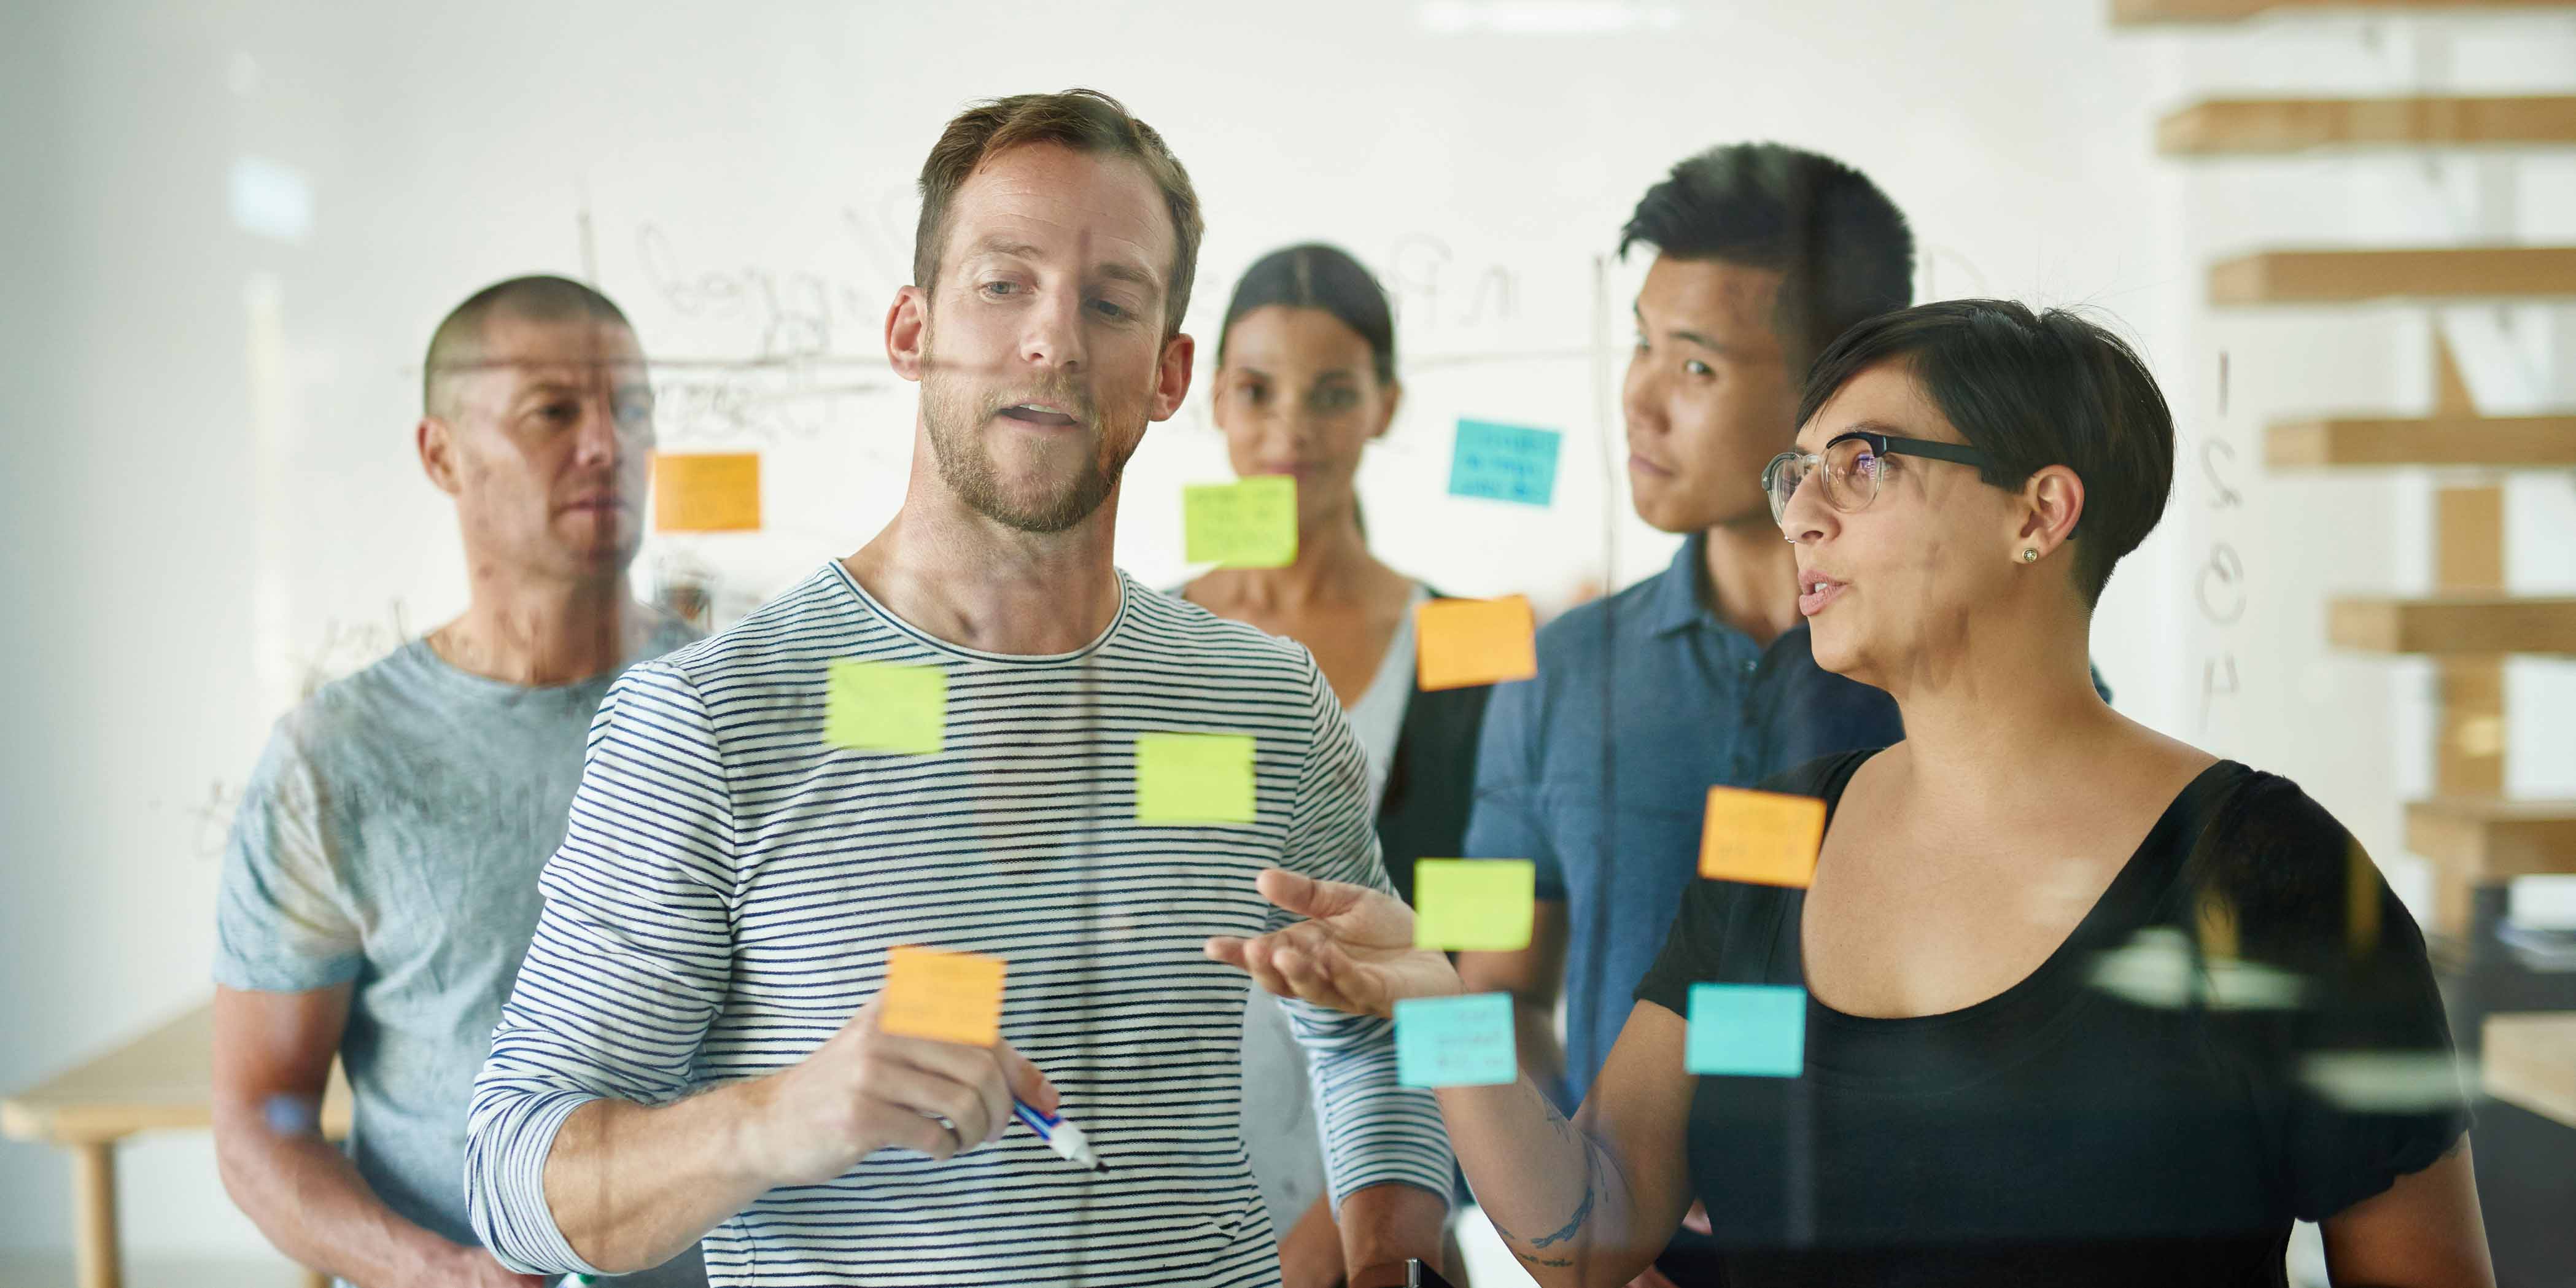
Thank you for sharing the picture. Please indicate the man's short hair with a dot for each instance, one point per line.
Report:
(2031, 390)
(1084, 120)
(457, 345)
(1842, 247)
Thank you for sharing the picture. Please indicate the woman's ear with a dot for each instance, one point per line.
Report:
(1394, 399)
(2052, 501)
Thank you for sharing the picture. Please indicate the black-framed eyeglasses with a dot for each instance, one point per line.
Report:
(1852, 467)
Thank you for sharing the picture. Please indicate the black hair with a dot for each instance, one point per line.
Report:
(2031, 390)
(1842, 247)
(457, 342)
(1317, 276)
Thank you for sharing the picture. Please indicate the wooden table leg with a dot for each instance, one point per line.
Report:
(94, 1214)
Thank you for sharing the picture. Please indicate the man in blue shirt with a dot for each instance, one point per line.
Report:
(1599, 769)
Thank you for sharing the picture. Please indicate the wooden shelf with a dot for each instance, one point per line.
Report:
(2130, 13)
(2252, 126)
(2353, 276)
(2485, 841)
(2529, 1059)
(161, 1080)
(2475, 624)
(2497, 442)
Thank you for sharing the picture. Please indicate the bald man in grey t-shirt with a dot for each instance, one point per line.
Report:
(380, 884)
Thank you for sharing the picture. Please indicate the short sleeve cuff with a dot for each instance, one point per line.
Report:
(1672, 995)
(2407, 1145)
(1680, 963)
(286, 974)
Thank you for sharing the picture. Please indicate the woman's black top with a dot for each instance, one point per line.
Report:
(2243, 1030)
(1431, 785)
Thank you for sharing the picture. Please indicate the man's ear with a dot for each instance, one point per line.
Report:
(1172, 379)
(907, 332)
(436, 442)
(2052, 503)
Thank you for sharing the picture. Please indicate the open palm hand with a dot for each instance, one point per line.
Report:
(1353, 952)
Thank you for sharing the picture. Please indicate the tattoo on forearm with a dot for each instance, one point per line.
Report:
(1591, 1191)
(1595, 1155)
(1571, 1227)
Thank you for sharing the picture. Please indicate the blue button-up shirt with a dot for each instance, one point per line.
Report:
(1613, 821)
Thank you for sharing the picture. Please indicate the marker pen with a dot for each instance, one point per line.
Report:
(1061, 1136)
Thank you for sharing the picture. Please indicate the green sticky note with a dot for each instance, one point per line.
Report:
(1247, 524)
(1194, 778)
(885, 706)
(1473, 905)
(1753, 1030)
(1455, 1041)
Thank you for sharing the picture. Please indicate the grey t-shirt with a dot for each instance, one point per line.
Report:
(392, 836)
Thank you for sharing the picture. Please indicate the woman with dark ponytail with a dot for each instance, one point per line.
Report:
(1305, 381)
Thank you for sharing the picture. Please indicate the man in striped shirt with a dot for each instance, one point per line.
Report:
(693, 1049)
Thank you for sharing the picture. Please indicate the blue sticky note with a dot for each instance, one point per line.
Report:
(1504, 462)
(1752, 1030)
(1455, 1041)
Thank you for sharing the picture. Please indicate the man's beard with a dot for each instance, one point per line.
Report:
(957, 413)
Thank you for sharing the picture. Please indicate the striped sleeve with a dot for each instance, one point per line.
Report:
(1375, 1131)
(630, 961)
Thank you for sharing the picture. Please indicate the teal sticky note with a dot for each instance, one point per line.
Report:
(1748, 1030)
(1504, 462)
(1455, 1041)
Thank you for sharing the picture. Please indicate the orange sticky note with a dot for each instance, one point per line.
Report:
(1765, 838)
(706, 491)
(1474, 641)
(949, 997)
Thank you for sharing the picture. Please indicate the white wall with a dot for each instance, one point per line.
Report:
(2357, 730)
(210, 493)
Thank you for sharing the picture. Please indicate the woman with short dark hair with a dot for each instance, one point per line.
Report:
(2066, 1001)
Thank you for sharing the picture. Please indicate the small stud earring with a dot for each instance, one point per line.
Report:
(2030, 556)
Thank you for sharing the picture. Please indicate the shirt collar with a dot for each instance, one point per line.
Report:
(1676, 596)
(1674, 602)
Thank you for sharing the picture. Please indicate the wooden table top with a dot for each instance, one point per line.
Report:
(162, 1080)
(2530, 1060)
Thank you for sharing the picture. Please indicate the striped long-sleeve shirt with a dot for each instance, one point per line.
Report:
(730, 884)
